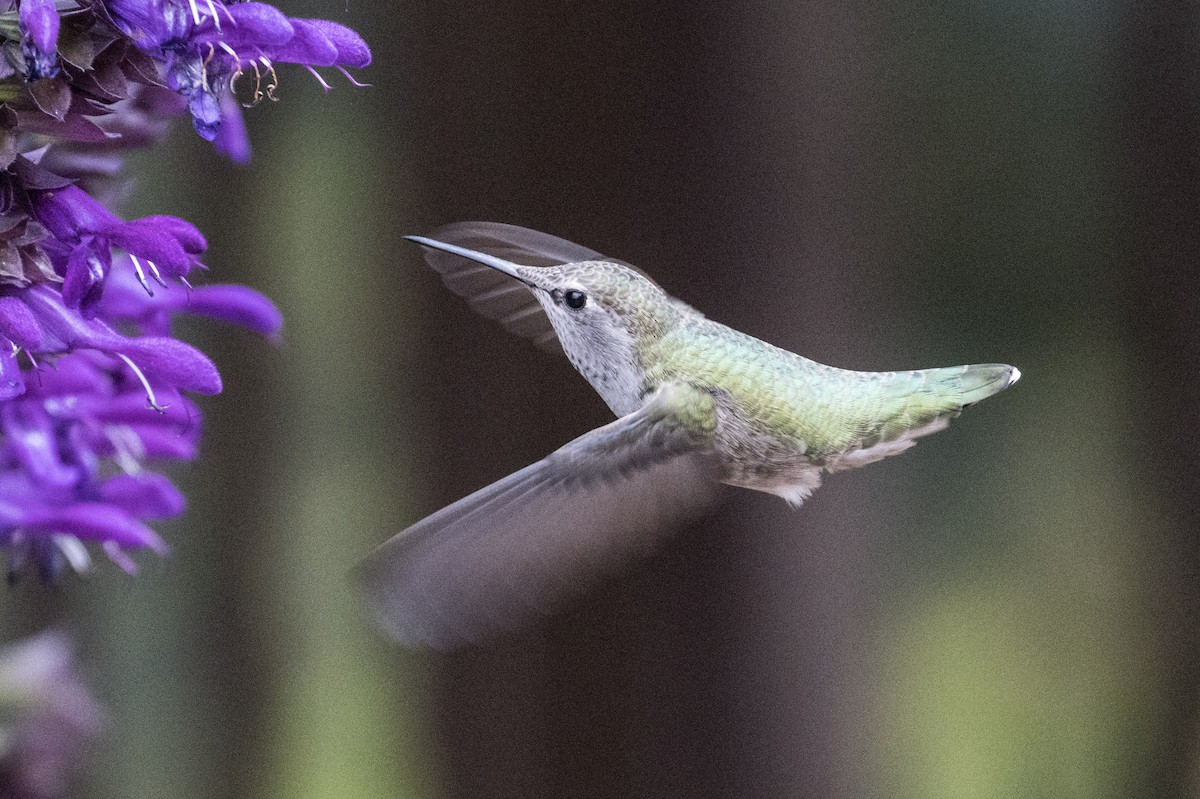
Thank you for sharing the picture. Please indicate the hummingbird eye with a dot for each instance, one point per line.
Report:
(575, 299)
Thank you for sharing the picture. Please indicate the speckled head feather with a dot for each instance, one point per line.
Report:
(606, 316)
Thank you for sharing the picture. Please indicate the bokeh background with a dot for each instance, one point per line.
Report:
(1011, 609)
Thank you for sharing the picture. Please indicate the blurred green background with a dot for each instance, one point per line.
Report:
(1010, 610)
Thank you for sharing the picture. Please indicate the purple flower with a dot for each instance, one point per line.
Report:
(126, 299)
(84, 233)
(57, 437)
(60, 330)
(207, 51)
(47, 717)
(94, 384)
(107, 401)
(39, 43)
(208, 46)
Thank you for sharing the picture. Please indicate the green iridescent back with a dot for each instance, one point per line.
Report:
(824, 410)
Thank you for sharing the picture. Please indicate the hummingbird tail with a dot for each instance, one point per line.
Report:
(976, 382)
(918, 403)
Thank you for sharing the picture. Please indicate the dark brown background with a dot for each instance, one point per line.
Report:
(1008, 610)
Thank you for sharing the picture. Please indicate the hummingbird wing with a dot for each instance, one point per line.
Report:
(500, 556)
(496, 295)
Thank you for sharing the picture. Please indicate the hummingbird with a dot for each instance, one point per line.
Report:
(699, 406)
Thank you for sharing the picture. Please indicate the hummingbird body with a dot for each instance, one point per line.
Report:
(775, 419)
(699, 404)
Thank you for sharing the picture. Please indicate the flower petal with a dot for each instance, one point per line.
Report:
(29, 434)
(70, 212)
(159, 443)
(188, 235)
(232, 139)
(179, 364)
(238, 305)
(94, 521)
(145, 495)
(147, 239)
(352, 50)
(75, 374)
(308, 46)
(84, 281)
(253, 25)
(17, 323)
(39, 21)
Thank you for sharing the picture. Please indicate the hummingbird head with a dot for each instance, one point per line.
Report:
(606, 315)
(596, 305)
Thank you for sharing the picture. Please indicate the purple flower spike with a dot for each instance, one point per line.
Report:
(48, 528)
(54, 441)
(39, 29)
(103, 397)
(94, 386)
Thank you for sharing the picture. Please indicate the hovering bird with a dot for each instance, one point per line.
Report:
(699, 405)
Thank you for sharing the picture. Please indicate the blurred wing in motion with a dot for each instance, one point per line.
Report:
(510, 551)
(494, 294)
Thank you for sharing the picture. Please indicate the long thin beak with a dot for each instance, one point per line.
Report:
(507, 267)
